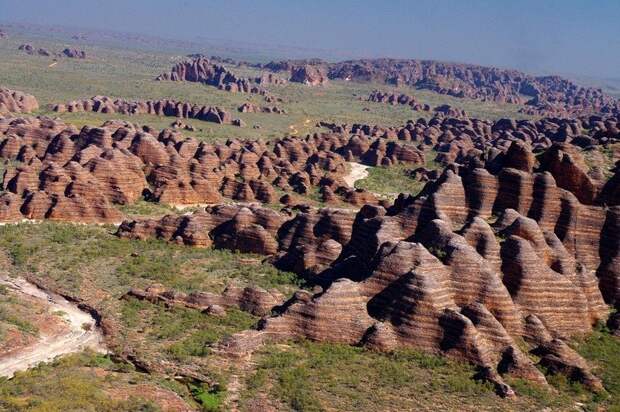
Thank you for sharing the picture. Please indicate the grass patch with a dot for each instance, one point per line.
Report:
(21, 324)
(75, 382)
(210, 399)
(391, 181)
(175, 334)
(308, 376)
(79, 258)
(142, 208)
(17, 315)
(602, 350)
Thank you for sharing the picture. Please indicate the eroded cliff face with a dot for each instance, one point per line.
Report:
(477, 262)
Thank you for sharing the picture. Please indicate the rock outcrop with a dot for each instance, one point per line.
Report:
(173, 108)
(449, 111)
(251, 299)
(12, 101)
(309, 75)
(67, 52)
(394, 99)
(30, 49)
(252, 108)
(201, 70)
(74, 53)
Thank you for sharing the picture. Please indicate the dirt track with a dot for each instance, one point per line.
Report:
(83, 332)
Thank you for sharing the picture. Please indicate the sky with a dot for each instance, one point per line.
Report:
(580, 37)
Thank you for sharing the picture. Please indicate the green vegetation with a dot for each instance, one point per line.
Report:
(90, 262)
(602, 350)
(602, 160)
(81, 382)
(390, 181)
(16, 315)
(142, 208)
(439, 253)
(85, 259)
(210, 399)
(309, 376)
(177, 334)
(22, 325)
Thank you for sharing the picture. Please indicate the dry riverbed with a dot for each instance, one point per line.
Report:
(76, 331)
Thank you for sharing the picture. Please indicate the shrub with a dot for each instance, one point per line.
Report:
(210, 399)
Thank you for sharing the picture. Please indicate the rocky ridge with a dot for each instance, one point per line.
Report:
(541, 95)
(173, 108)
(57, 162)
(309, 75)
(395, 98)
(201, 70)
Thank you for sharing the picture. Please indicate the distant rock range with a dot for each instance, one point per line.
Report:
(201, 70)
(542, 95)
(68, 52)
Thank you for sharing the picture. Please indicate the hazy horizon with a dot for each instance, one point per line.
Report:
(564, 37)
